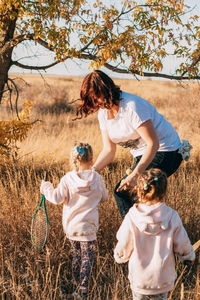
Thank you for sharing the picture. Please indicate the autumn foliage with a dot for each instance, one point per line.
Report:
(13, 131)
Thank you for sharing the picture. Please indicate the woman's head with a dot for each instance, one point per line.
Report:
(97, 90)
(81, 153)
(151, 185)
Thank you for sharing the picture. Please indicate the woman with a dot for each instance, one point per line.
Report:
(129, 121)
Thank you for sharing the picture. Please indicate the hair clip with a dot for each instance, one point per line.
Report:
(80, 150)
(146, 186)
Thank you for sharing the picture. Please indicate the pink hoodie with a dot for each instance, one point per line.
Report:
(149, 237)
(80, 193)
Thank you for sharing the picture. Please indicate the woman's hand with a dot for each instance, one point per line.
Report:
(128, 183)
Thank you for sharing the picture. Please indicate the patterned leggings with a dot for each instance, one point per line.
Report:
(83, 258)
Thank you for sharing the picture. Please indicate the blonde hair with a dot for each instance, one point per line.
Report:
(81, 152)
(151, 185)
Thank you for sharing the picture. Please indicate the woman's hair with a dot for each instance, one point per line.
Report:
(97, 85)
(151, 185)
(81, 152)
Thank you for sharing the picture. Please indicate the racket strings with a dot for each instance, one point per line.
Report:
(40, 229)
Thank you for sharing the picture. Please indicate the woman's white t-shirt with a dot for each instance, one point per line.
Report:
(133, 111)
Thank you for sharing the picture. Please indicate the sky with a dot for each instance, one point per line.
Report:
(75, 67)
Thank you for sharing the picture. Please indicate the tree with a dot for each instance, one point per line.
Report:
(126, 37)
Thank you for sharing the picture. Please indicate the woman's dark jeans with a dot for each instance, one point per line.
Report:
(166, 161)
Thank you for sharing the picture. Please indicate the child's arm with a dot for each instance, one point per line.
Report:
(57, 195)
(182, 244)
(124, 247)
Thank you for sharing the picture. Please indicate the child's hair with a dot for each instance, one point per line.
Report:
(81, 152)
(151, 185)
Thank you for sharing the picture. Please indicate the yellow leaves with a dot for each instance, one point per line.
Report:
(13, 131)
(105, 54)
(99, 3)
(8, 11)
(76, 26)
(10, 133)
(109, 25)
(137, 10)
(84, 40)
(25, 113)
(197, 34)
(160, 31)
(157, 65)
(10, 5)
(95, 64)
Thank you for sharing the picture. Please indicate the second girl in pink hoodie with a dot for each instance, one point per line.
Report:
(148, 238)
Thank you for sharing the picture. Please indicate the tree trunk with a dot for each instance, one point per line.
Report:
(6, 34)
(5, 60)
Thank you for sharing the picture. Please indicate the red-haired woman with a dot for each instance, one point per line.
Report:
(129, 121)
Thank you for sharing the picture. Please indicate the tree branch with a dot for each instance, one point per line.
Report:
(144, 74)
(25, 37)
(43, 43)
(27, 67)
(3, 146)
(192, 65)
(17, 95)
(3, 15)
(148, 74)
(15, 41)
(112, 68)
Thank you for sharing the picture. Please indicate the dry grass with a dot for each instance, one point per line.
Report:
(26, 274)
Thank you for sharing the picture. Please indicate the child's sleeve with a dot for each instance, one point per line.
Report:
(182, 244)
(124, 247)
(103, 189)
(57, 195)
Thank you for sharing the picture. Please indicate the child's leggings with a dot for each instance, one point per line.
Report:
(83, 258)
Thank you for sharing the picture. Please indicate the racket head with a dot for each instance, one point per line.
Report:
(40, 226)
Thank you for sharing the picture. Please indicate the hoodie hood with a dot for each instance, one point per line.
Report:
(151, 219)
(82, 181)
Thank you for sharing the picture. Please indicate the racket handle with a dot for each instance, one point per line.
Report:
(45, 176)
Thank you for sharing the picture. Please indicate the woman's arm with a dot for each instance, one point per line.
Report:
(108, 152)
(148, 134)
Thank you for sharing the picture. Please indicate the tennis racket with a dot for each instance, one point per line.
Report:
(40, 224)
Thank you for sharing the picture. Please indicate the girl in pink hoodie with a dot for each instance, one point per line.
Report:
(149, 237)
(80, 191)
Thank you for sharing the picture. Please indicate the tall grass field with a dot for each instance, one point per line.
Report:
(28, 274)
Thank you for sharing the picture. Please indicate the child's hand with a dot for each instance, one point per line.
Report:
(119, 255)
(42, 187)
